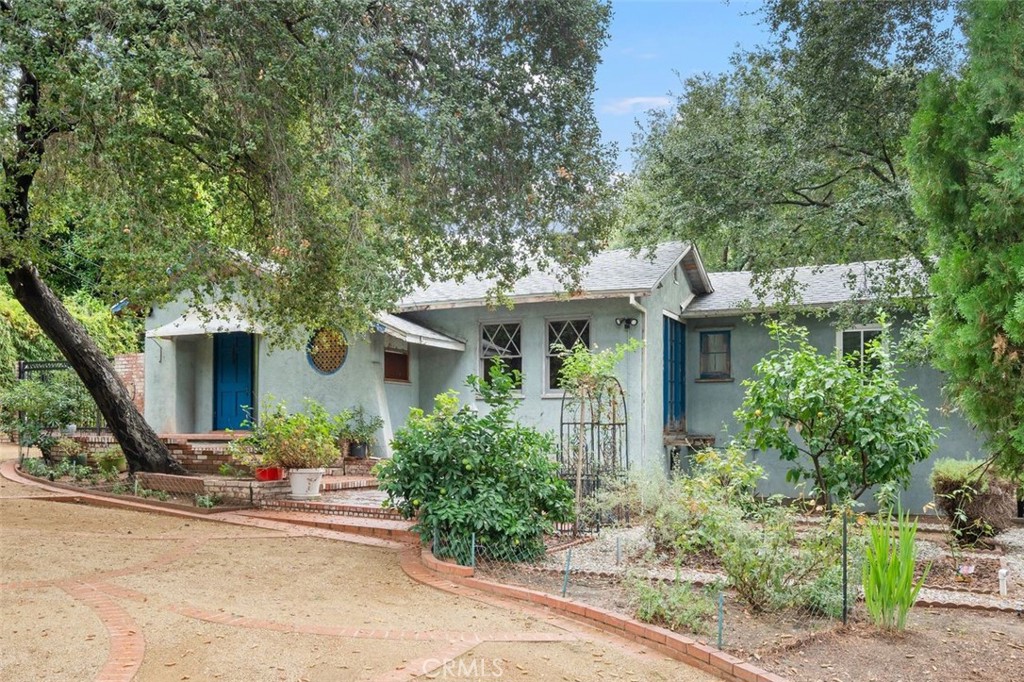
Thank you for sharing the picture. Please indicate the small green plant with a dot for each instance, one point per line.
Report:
(231, 471)
(161, 495)
(121, 489)
(354, 425)
(34, 466)
(677, 605)
(207, 501)
(888, 575)
(111, 461)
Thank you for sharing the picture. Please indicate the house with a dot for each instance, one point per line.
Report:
(679, 391)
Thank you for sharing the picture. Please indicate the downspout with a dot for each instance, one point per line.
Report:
(643, 373)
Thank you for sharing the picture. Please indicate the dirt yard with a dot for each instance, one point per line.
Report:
(90, 593)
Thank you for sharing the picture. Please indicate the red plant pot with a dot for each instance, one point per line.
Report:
(269, 473)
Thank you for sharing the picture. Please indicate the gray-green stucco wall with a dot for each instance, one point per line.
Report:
(710, 405)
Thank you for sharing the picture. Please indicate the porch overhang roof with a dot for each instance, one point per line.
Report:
(207, 321)
(410, 332)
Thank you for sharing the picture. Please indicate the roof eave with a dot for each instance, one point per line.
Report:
(523, 299)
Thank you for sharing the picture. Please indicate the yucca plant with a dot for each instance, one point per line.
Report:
(888, 579)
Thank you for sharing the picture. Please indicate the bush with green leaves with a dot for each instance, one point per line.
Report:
(888, 576)
(111, 461)
(844, 426)
(34, 411)
(298, 440)
(697, 508)
(677, 605)
(464, 471)
(976, 502)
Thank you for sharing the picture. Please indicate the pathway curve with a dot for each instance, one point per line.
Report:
(114, 594)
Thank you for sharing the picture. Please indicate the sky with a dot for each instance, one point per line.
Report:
(656, 43)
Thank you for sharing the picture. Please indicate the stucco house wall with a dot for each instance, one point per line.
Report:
(711, 404)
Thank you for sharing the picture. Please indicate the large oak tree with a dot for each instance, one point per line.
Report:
(313, 158)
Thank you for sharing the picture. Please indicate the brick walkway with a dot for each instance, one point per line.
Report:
(132, 592)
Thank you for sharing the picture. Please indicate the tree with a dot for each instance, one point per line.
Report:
(313, 160)
(794, 156)
(845, 424)
(966, 155)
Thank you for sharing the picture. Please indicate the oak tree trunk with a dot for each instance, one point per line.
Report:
(142, 448)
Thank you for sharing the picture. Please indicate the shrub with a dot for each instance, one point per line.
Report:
(35, 467)
(976, 502)
(698, 508)
(464, 472)
(301, 440)
(677, 605)
(843, 426)
(888, 575)
(633, 497)
(32, 411)
(208, 501)
(111, 461)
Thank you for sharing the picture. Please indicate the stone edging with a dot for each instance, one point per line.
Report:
(677, 646)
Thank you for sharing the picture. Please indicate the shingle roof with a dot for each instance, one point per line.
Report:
(610, 273)
(820, 285)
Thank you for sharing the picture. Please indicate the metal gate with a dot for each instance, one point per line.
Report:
(593, 445)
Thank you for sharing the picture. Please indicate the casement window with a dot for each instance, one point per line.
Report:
(716, 355)
(396, 360)
(568, 333)
(503, 341)
(852, 343)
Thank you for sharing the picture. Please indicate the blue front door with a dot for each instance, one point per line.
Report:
(232, 379)
(674, 385)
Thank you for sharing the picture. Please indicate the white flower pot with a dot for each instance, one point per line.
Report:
(305, 483)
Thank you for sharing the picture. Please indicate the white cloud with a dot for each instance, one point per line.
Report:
(632, 105)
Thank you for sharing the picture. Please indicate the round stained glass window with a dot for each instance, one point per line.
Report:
(327, 350)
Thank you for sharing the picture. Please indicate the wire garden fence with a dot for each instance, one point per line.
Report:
(752, 601)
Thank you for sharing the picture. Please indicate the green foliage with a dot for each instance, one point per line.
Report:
(161, 495)
(696, 511)
(588, 372)
(208, 501)
(358, 146)
(888, 575)
(300, 440)
(35, 467)
(354, 425)
(464, 472)
(677, 605)
(975, 501)
(844, 428)
(111, 461)
(22, 339)
(794, 155)
(32, 411)
(633, 497)
(967, 160)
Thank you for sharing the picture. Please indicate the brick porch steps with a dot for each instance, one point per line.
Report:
(388, 529)
(335, 483)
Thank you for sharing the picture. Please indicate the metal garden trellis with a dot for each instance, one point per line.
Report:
(594, 442)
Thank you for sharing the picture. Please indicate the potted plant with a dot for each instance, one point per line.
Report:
(362, 431)
(304, 443)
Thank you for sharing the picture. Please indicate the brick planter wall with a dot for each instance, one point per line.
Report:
(247, 490)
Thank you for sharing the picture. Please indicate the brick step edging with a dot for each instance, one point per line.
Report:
(332, 509)
(677, 646)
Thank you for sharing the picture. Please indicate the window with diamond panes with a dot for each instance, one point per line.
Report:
(568, 333)
(501, 341)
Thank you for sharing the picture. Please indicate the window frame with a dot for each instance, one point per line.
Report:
(706, 377)
(860, 328)
(549, 389)
(404, 352)
(481, 359)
